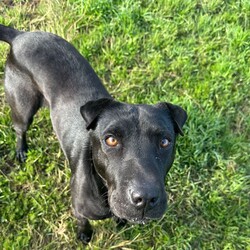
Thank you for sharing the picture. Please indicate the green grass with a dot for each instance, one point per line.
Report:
(192, 53)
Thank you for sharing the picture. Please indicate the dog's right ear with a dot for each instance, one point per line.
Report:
(178, 114)
(92, 109)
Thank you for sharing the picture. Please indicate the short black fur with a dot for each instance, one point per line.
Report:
(115, 150)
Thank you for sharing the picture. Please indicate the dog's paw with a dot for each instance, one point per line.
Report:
(84, 237)
(21, 156)
(84, 231)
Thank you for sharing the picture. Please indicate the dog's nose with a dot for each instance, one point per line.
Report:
(144, 200)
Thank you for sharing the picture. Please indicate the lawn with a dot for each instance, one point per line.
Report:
(194, 53)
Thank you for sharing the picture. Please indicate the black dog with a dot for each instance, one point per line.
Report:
(119, 153)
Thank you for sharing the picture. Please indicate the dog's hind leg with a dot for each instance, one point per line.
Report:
(24, 100)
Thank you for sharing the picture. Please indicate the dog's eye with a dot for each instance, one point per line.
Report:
(111, 141)
(164, 143)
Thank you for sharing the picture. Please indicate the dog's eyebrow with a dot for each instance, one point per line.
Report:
(160, 131)
(114, 129)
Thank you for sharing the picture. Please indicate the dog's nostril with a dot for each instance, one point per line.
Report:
(143, 200)
(153, 201)
(137, 199)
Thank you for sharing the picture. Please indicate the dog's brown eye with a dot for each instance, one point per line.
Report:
(164, 143)
(111, 141)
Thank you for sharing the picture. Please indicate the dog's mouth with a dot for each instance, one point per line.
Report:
(125, 212)
(134, 220)
(139, 221)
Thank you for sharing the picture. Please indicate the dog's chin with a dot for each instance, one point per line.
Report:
(135, 219)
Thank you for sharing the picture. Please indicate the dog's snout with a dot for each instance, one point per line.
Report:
(143, 199)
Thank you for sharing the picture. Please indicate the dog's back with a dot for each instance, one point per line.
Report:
(54, 65)
(44, 68)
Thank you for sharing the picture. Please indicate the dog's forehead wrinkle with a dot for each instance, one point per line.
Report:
(136, 122)
(154, 121)
(120, 117)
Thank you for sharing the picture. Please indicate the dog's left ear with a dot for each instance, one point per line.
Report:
(92, 109)
(178, 114)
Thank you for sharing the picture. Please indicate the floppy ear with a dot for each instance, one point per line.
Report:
(92, 109)
(177, 113)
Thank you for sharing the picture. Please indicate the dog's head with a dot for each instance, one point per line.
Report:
(133, 149)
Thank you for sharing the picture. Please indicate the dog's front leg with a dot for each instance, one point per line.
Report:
(88, 198)
(79, 199)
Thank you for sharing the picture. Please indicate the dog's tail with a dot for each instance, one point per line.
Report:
(8, 34)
